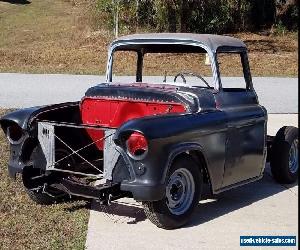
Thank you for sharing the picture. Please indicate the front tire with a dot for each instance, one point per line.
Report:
(284, 155)
(38, 191)
(183, 189)
(46, 198)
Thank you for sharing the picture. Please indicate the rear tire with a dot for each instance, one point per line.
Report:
(284, 155)
(183, 189)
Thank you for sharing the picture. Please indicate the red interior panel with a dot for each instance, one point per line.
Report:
(113, 113)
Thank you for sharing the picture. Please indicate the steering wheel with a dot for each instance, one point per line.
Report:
(183, 74)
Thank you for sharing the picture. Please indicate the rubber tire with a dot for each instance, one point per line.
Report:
(279, 160)
(43, 198)
(158, 212)
(38, 196)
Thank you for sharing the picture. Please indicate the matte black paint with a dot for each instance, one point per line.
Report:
(20, 117)
(207, 132)
(217, 132)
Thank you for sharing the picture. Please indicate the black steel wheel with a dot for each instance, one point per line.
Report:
(284, 155)
(182, 193)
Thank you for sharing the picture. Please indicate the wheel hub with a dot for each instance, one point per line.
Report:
(293, 157)
(180, 191)
(176, 191)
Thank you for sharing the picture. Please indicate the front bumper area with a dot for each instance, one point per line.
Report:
(142, 192)
(15, 167)
(140, 182)
(15, 163)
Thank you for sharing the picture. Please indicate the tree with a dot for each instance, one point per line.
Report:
(287, 13)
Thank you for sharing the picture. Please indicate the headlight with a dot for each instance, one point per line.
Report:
(14, 134)
(137, 146)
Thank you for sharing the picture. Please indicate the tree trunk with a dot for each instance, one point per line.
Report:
(171, 12)
(184, 16)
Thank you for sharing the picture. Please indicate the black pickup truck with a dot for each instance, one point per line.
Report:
(155, 142)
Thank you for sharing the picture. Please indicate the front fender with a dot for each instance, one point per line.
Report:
(18, 160)
(20, 117)
(169, 136)
(26, 118)
(186, 147)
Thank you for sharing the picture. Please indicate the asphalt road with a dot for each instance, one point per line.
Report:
(278, 95)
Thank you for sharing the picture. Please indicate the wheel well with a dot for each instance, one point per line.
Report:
(199, 158)
(29, 145)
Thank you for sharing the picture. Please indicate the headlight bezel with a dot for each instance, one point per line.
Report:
(14, 134)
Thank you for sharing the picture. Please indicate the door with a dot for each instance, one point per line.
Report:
(246, 128)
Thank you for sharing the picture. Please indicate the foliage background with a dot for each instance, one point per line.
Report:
(201, 16)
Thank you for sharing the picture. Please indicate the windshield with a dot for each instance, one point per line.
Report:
(192, 69)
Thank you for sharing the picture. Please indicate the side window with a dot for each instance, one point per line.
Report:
(124, 66)
(231, 72)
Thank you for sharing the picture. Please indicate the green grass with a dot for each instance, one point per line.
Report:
(26, 225)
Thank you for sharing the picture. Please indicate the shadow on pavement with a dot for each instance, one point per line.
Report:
(132, 212)
(210, 207)
(235, 199)
(16, 1)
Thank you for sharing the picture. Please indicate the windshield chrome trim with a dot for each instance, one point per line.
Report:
(211, 54)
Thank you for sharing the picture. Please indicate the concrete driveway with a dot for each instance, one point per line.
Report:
(260, 208)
